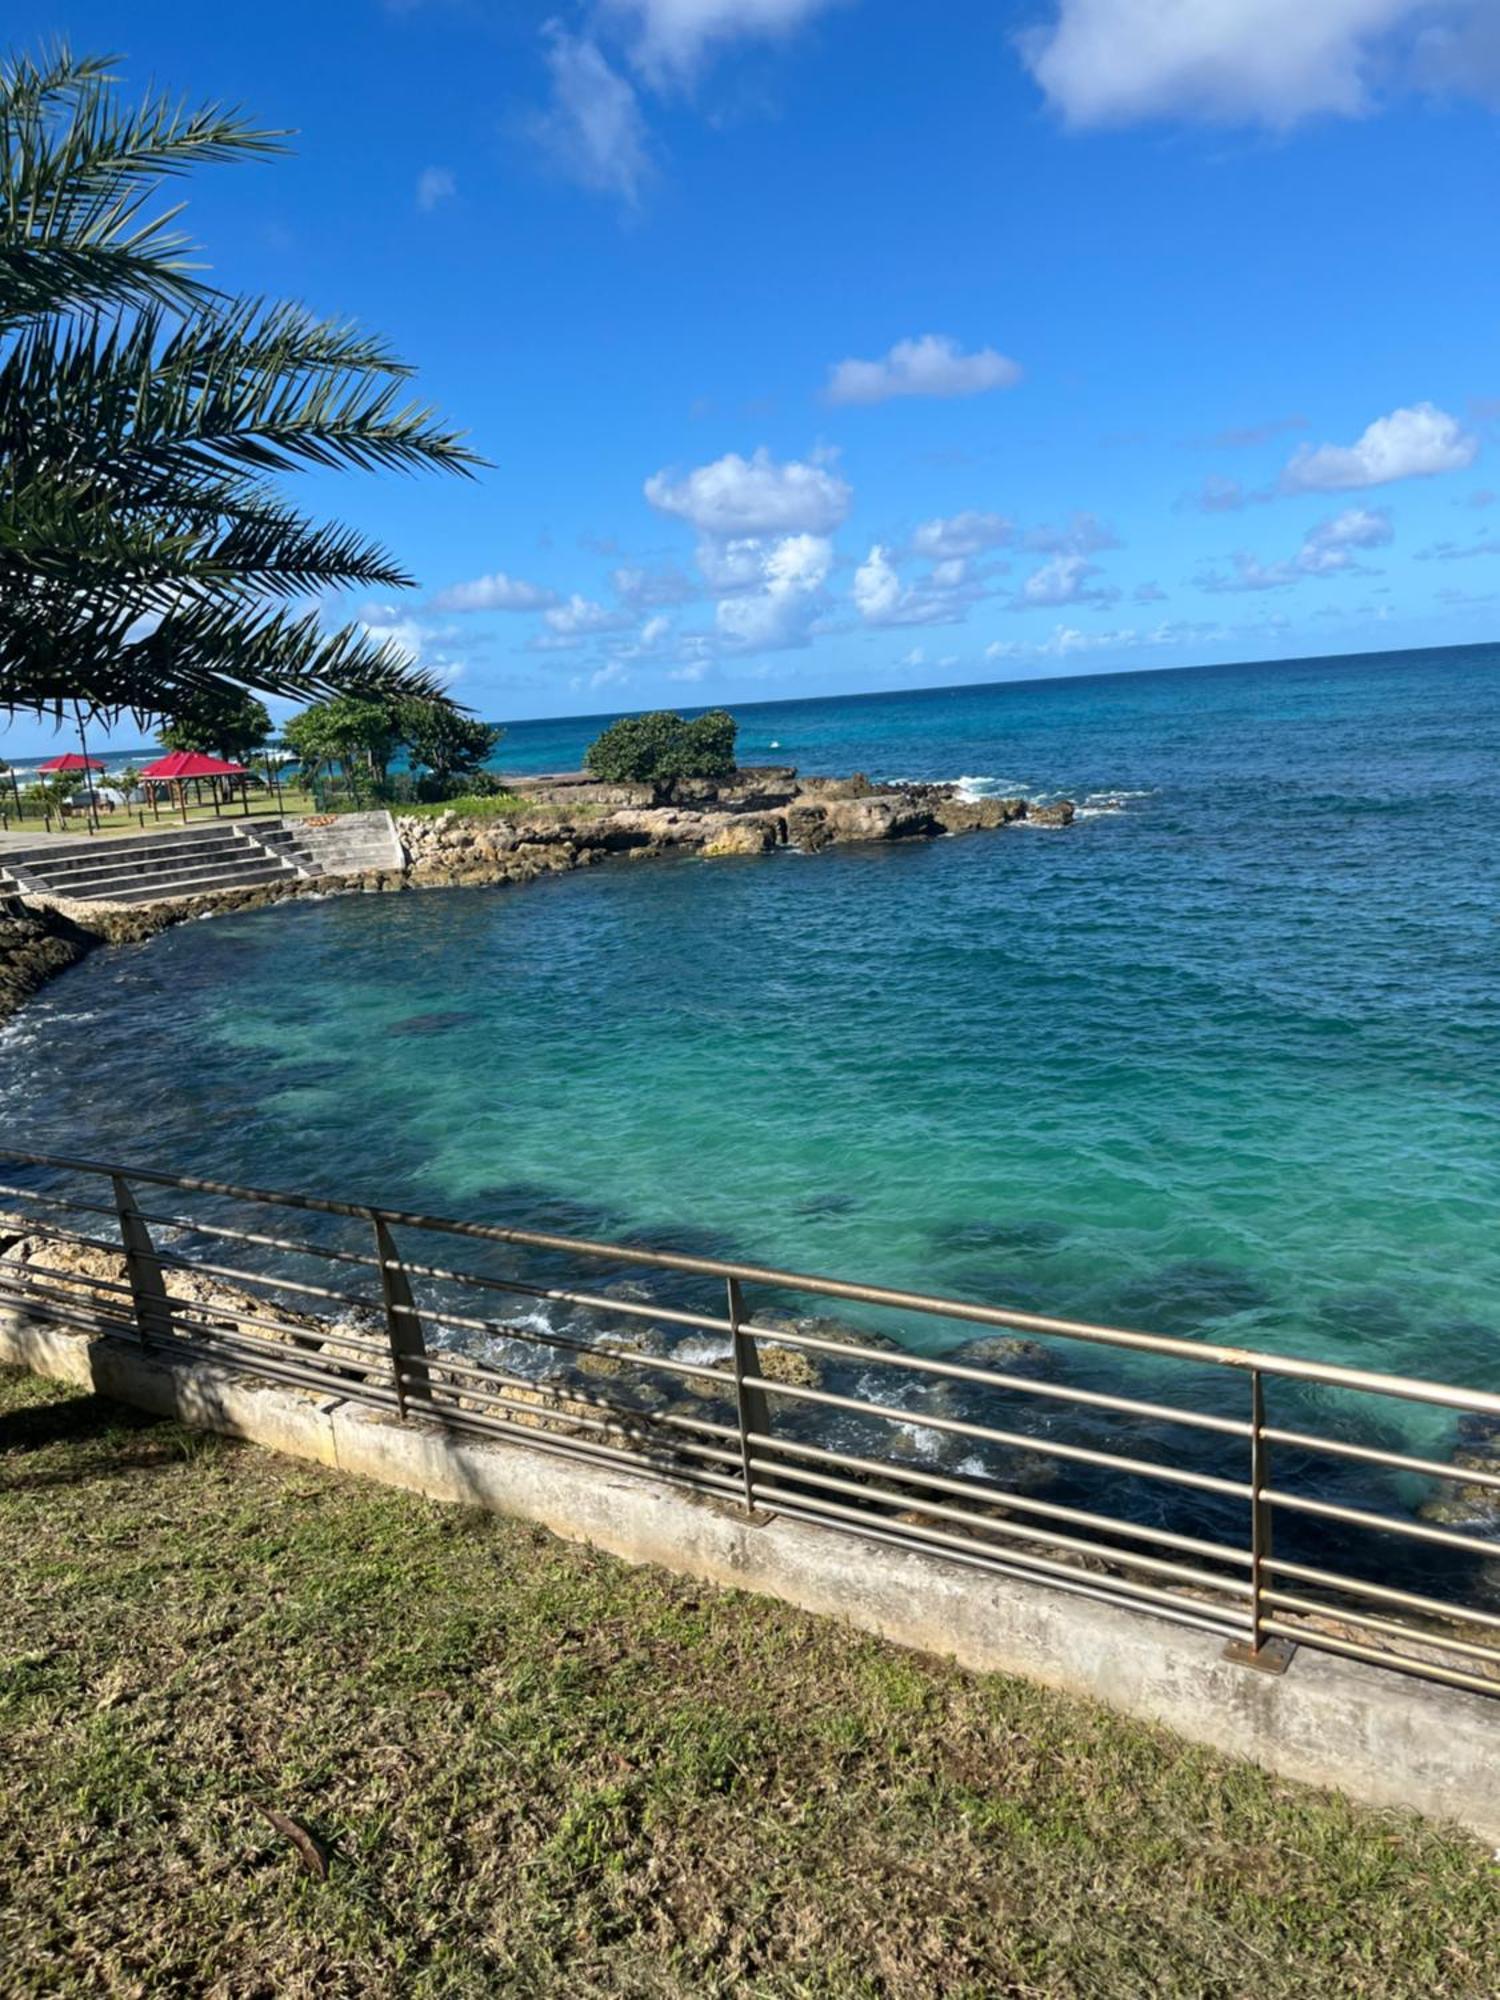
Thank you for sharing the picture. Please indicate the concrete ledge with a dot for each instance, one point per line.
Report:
(1385, 1739)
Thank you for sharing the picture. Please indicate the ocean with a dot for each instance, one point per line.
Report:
(1221, 1060)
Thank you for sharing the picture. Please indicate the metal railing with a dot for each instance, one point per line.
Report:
(1298, 1525)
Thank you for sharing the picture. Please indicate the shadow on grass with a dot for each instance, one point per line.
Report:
(77, 1420)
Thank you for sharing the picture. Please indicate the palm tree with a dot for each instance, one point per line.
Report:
(147, 558)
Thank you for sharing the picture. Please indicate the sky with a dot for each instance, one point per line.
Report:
(821, 346)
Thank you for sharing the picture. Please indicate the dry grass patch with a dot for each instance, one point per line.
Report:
(537, 1771)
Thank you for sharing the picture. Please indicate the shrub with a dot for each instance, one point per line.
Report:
(658, 748)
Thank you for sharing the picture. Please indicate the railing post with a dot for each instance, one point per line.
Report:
(1270, 1656)
(148, 1287)
(403, 1327)
(752, 1411)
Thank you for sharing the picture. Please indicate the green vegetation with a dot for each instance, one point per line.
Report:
(658, 748)
(146, 554)
(361, 736)
(538, 1772)
(223, 722)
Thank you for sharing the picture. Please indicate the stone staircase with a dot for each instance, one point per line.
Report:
(148, 868)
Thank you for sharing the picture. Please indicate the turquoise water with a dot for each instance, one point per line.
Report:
(1221, 1060)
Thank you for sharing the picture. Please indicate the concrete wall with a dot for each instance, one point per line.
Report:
(1383, 1738)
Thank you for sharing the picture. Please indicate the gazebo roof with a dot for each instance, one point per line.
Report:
(191, 764)
(71, 761)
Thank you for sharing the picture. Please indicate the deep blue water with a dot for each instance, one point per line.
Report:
(1222, 1060)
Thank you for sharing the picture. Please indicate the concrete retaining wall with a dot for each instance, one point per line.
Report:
(1385, 1739)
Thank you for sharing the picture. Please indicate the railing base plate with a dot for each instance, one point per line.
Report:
(1273, 1657)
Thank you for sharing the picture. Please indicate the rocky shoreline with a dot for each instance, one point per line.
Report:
(563, 823)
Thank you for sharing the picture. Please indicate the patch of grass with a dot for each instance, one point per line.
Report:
(497, 805)
(538, 1771)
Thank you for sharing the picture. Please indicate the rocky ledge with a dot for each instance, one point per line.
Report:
(561, 823)
(569, 823)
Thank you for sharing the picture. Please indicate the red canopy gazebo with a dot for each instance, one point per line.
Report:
(71, 762)
(191, 767)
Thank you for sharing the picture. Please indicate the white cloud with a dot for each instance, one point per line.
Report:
(581, 618)
(939, 598)
(961, 535)
(1149, 593)
(760, 495)
(592, 129)
(1272, 62)
(932, 365)
(1330, 548)
(1330, 545)
(781, 612)
(673, 36)
(435, 185)
(1412, 443)
(1064, 580)
(414, 640)
(1066, 640)
(498, 592)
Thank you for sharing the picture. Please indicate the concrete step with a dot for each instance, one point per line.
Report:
(85, 870)
(142, 846)
(169, 888)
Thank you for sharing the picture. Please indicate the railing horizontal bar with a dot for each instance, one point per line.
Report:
(1197, 1353)
(992, 1378)
(941, 1541)
(90, 1283)
(601, 1301)
(1009, 1530)
(1404, 1663)
(1009, 1563)
(1039, 1446)
(541, 1415)
(58, 1310)
(438, 1360)
(595, 1414)
(1003, 1496)
(1357, 1517)
(304, 1338)
(232, 1271)
(1470, 1648)
(630, 1461)
(299, 1247)
(1383, 1593)
(58, 1201)
(277, 1363)
(1395, 1461)
(504, 1330)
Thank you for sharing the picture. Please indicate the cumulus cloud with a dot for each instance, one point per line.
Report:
(1066, 640)
(498, 592)
(671, 37)
(1413, 443)
(414, 638)
(592, 128)
(434, 185)
(760, 495)
(780, 613)
(961, 535)
(940, 597)
(1067, 579)
(1270, 62)
(931, 365)
(580, 618)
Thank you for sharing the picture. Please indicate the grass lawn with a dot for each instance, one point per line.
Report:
(537, 1771)
(140, 819)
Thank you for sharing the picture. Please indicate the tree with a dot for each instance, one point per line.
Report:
(349, 730)
(228, 724)
(452, 746)
(146, 553)
(658, 748)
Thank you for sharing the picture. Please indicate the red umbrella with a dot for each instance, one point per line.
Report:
(71, 762)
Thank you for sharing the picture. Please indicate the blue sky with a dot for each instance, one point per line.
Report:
(822, 345)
